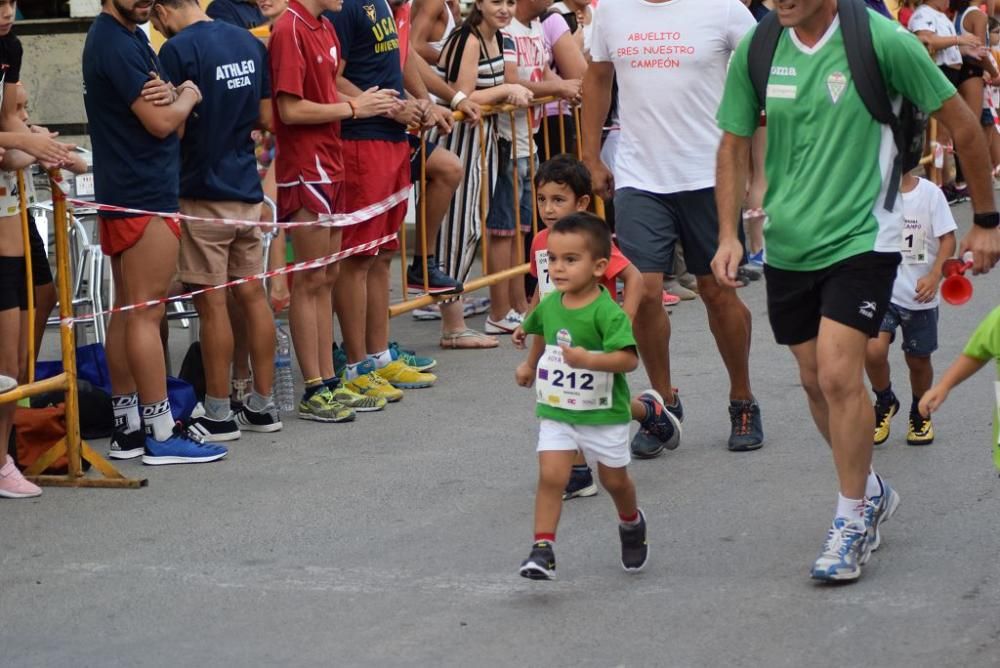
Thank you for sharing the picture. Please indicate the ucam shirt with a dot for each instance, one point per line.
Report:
(926, 218)
(304, 57)
(369, 42)
(524, 46)
(828, 162)
(240, 13)
(928, 19)
(132, 168)
(229, 66)
(670, 59)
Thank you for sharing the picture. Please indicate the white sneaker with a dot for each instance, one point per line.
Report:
(505, 325)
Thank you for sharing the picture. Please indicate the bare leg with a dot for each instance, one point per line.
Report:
(652, 333)
(921, 374)
(877, 362)
(310, 305)
(377, 316)
(729, 320)
(216, 341)
(500, 249)
(620, 487)
(260, 334)
(45, 301)
(121, 377)
(352, 305)
(444, 174)
(554, 467)
(241, 343)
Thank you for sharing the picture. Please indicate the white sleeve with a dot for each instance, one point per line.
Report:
(921, 21)
(740, 22)
(599, 51)
(942, 220)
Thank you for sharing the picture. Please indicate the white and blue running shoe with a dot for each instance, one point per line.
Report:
(845, 551)
(879, 509)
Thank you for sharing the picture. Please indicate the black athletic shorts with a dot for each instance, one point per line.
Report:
(41, 272)
(13, 290)
(415, 156)
(854, 292)
(649, 225)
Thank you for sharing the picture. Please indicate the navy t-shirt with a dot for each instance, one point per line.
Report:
(229, 65)
(369, 45)
(11, 54)
(132, 168)
(241, 14)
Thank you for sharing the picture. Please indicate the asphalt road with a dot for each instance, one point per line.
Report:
(395, 540)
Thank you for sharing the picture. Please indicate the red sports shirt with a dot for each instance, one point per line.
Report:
(304, 58)
(616, 264)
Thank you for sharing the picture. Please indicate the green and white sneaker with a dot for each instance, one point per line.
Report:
(411, 358)
(322, 407)
(361, 403)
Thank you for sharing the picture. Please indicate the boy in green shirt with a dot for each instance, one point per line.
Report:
(583, 348)
(983, 345)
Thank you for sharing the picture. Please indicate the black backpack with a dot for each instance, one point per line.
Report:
(908, 127)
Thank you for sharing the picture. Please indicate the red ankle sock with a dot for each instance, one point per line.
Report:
(547, 537)
(634, 519)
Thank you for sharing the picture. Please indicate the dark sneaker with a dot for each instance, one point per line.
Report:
(581, 483)
(661, 428)
(127, 446)
(635, 550)
(266, 421)
(747, 428)
(181, 448)
(438, 282)
(206, 429)
(541, 563)
(883, 418)
(955, 195)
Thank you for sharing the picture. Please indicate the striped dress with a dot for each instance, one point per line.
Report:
(461, 230)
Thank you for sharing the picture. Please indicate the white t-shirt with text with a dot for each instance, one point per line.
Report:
(525, 47)
(670, 59)
(926, 218)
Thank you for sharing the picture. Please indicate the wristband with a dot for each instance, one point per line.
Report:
(354, 109)
(457, 100)
(989, 220)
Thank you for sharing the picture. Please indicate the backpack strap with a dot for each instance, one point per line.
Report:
(763, 44)
(868, 81)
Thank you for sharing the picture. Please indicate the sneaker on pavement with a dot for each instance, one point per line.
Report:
(879, 509)
(127, 446)
(883, 418)
(954, 194)
(747, 432)
(750, 273)
(405, 377)
(359, 402)
(670, 300)
(181, 448)
(411, 358)
(429, 312)
(689, 281)
(13, 484)
(660, 430)
(475, 306)
(214, 431)
(541, 563)
(921, 431)
(266, 421)
(322, 407)
(581, 484)
(370, 384)
(505, 325)
(756, 259)
(845, 551)
(673, 287)
(635, 550)
(438, 282)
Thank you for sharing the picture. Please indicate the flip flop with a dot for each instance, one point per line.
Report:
(456, 340)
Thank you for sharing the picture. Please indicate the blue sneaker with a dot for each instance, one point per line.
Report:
(879, 509)
(181, 448)
(845, 551)
(756, 259)
(581, 484)
(746, 427)
(438, 282)
(661, 428)
(339, 361)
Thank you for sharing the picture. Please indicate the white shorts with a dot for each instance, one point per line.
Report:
(605, 443)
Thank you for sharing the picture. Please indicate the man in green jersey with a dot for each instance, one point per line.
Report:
(831, 247)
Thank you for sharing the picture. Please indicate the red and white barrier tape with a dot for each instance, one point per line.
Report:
(334, 220)
(289, 269)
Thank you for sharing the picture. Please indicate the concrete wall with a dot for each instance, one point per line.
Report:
(52, 74)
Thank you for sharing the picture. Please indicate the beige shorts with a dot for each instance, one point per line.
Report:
(213, 253)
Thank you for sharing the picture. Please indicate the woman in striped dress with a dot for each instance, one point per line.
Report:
(472, 62)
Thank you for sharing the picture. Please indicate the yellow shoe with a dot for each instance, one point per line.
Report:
(370, 384)
(404, 376)
(362, 403)
(921, 431)
(883, 416)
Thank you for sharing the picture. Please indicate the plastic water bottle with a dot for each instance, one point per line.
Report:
(284, 384)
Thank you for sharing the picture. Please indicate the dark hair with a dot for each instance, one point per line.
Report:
(993, 24)
(590, 226)
(958, 5)
(175, 3)
(565, 170)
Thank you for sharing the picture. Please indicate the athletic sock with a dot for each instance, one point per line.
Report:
(873, 487)
(915, 408)
(545, 537)
(884, 397)
(351, 371)
(382, 359)
(331, 383)
(126, 410)
(217, 408)
(258, 403)
(158, 420)
(631, 521)
(313, 385)
(853, 510)
(581, 468)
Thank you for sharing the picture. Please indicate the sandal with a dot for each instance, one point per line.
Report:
(467, 339)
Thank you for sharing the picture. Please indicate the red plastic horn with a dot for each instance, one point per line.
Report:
(956, 288)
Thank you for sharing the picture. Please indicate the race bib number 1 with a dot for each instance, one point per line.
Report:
(559, 385)
(914, 247)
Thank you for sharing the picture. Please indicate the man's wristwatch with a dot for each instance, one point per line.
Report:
(989, 220)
